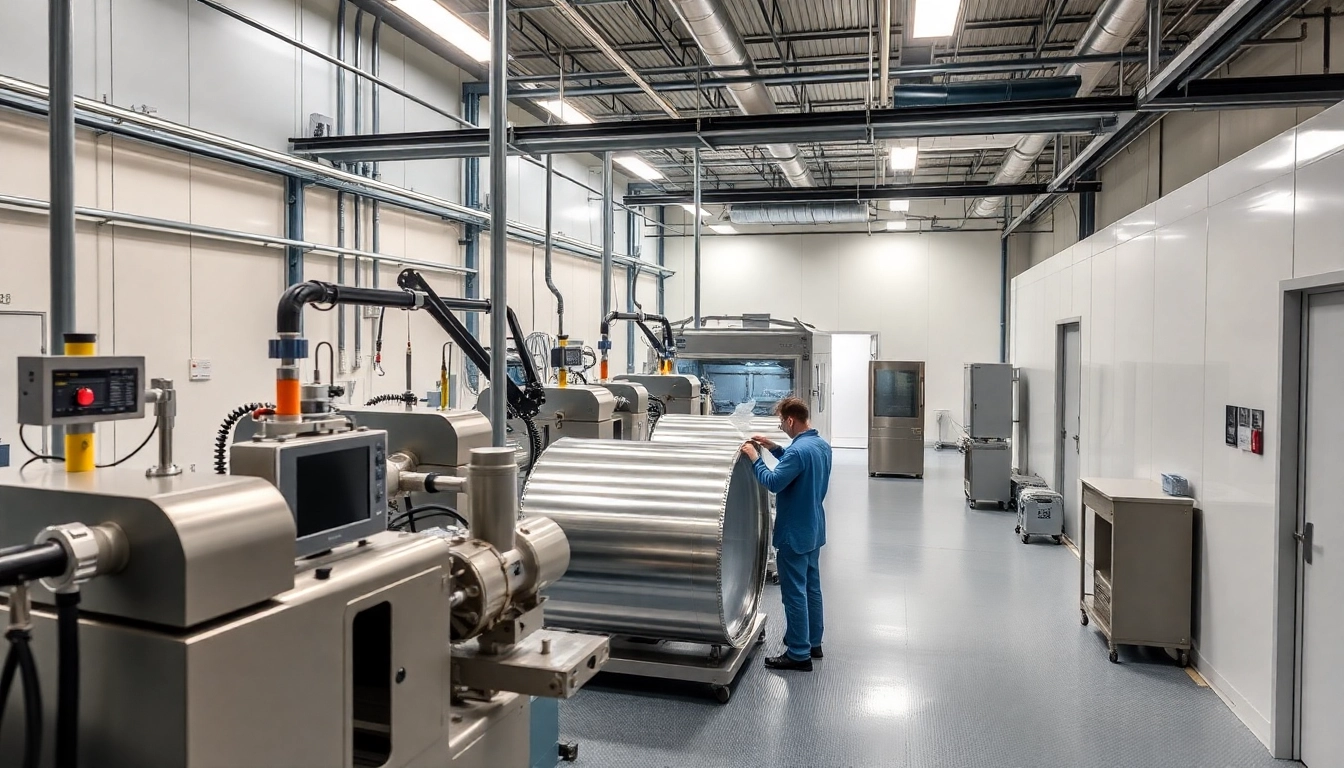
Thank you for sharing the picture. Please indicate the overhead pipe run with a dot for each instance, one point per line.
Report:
(713, 31)
(799, 213)
(1111, 28)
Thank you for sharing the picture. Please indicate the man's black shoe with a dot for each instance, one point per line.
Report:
(817, 654)
(783, 661)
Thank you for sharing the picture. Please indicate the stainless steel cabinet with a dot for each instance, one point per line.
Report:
(895, 418)
(989, 401)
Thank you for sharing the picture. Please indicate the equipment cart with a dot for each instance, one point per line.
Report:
(1141, 571)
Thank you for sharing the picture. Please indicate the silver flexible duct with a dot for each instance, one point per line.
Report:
(713, 31)
(1111, 28)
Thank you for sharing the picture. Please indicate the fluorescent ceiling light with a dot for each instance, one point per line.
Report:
(904, 158)
(936, 18)
(691, 210)
(565, 111)
(723, 229)
(898, 206)
(638, 167)
(896, 225)
(443, 23)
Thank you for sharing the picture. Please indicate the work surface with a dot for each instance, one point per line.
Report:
(948, 643)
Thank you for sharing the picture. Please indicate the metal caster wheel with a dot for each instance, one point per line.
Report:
(569, 751)
(1026, 536)
(722, 693)
(1114, 656)
(1018, 529)
(972, 502)
(1183, 658)
(1084, 619)
(1003, 505)
(1060, 539)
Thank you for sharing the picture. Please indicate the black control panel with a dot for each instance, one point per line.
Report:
(102, 392)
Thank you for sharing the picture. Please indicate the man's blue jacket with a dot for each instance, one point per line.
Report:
(799, 483)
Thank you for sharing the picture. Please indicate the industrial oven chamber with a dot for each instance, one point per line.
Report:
(756, 357)
(895, 418)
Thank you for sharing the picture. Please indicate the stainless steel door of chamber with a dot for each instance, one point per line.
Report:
(895, 418)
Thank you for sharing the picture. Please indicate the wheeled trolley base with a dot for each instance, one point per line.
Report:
(716, 666)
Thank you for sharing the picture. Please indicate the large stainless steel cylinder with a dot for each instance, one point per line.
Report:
(680, 428)
(667, 540)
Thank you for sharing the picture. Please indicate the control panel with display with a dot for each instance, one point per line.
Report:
(61, 390)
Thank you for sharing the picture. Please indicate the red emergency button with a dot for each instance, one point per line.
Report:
(84, 397)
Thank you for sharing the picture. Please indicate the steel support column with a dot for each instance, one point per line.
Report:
(696, 216)
(61, 168)
(499, 220)
(608, 232)
(662, 260)
(631, 285)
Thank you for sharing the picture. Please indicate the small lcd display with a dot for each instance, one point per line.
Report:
(332, 490)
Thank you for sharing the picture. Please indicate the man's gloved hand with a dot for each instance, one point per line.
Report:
(764, 442)
(749, 450)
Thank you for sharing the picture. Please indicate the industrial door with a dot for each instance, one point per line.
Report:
(1068, 414)
(1321, 532)
(21, 334)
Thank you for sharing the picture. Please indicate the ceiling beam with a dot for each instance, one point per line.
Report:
(923, 191)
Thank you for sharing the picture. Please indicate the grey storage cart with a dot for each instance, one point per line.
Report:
(1040, 512)
(1141, 574)
(989, 469)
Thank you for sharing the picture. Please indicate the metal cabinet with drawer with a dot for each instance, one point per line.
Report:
(1142, 565)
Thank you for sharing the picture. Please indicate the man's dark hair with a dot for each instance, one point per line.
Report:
(793, 408)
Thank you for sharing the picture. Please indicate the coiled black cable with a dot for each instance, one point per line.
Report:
(226, 431)
(657, 410)
(410, 516)
(534, 442)
(379, 400)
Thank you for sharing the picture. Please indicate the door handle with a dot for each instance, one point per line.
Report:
(1304, 538)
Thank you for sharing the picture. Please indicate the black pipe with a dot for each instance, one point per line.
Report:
(67, 680)
(30, 562)
(663, 347)
(289, 313)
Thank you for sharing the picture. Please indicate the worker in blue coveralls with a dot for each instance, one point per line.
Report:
(799, 483)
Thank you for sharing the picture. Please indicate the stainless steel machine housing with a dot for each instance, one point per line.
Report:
(895, 418)
(989, 401)
(578, 410)
(762, 359)
(679, 392)
(632, 409)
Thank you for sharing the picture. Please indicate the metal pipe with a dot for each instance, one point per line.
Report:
(34, 99)
(608, 246)
(550, 247)
(337, 61)
(696, 215)
(492, 481)
(61, 169)
(712, 28)
(150, 223)
(499, 221)
(884, 46)
(359, 201)
(376, 244)
(341, 66)
(686, 560)
(662, 259)
(572, 14)
(1109, 32)
(1154, 36)
(164, 398)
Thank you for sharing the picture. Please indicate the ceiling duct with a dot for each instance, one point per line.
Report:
(799, 213)
(713, 31)
(1112, 26)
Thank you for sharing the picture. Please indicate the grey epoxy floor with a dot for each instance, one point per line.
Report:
(948, 642)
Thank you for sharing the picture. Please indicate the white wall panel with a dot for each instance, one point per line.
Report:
(1180, 323)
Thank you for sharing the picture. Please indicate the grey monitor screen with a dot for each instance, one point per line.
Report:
(332, 490)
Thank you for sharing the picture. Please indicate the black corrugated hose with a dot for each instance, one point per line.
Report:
(534, 441)
(20, 660)
(657, 410)
(226, 431)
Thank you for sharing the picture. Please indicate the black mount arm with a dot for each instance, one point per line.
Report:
(663, 347)
(523, 401)
(416, 293)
